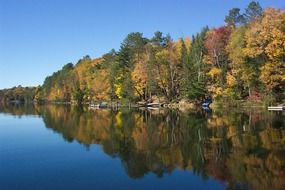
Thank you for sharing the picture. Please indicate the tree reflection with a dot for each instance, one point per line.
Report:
(244, 149)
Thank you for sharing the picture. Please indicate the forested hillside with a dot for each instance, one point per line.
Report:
(242, 60)
(18, 94)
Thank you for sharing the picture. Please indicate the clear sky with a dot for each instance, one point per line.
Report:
(37, 37)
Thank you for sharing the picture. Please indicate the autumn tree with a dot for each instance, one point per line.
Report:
(265, 41)
(168, 69)
(217, 58)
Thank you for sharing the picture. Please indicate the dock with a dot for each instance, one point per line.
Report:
(276, 108)
(155, 104)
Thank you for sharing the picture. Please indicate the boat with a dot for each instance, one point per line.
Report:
(206, 102)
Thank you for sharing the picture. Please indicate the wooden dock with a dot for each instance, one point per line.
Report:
(155, 104)
(276, 108)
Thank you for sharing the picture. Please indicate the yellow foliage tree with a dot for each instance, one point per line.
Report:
(265, 38)
(214, 72)
(140, 77)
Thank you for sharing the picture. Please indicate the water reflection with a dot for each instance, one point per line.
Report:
(244, 149)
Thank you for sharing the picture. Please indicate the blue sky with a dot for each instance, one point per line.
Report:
(37, 37)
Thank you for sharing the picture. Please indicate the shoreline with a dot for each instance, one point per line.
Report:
(184, 105)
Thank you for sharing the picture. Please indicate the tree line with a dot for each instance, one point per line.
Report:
(242, 60)
(18, 94)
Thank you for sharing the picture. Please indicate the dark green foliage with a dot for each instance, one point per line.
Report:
(196, 77)
(79, 95)
(110, 62)
(135, 42)
(127, 88)
(253, 11)
(234, 18)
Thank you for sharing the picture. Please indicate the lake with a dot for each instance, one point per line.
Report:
(65, 147)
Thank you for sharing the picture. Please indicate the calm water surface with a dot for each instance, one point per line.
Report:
(61, 147)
